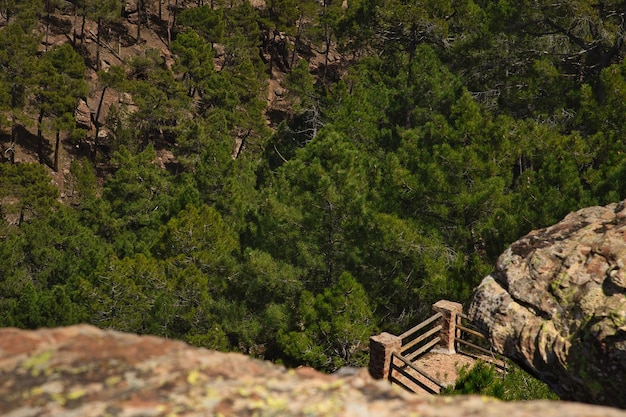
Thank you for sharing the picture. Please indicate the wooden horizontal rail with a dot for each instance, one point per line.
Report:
(499, 364)
(410, 364)
(423, 349)
(462, 315)
(421, 338)
(412, 379)
(420, 326)
(472, 345)
(470, 331)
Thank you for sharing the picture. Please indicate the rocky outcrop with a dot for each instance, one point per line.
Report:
(83, 115)
(556, 304)
(84, 371)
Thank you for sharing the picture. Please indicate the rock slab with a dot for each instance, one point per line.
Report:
(84, 371)
(556, 304)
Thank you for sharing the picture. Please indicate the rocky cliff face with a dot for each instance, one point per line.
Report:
(84, 371)
(556, 304)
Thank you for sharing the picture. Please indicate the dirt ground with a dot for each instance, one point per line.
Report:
(442, 367)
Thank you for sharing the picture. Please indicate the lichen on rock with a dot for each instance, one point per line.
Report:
(556, 304)
(85, 371)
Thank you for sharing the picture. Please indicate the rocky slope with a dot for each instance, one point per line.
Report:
(84, 371)
(556, 304)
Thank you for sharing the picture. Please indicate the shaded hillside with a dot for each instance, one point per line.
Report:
(286, 180)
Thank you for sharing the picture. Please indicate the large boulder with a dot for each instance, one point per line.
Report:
(84, 371)
(556, 305)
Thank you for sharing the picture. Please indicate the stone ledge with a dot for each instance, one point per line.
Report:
(84, 371)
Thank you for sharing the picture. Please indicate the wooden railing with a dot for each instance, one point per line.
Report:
(404, 373)
(415, 342)
(396, 357)
(472, 343)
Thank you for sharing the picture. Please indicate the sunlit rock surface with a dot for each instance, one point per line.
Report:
(83, 371)
(556, 304)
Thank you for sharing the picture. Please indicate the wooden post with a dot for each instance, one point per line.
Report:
(448, 310)
(381, 348)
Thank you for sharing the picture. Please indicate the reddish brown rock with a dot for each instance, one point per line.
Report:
(83, 115)
(84, 371)
(556, 304)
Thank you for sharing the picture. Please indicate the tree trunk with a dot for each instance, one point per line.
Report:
(326, 52)
(11, 150)
(82, 29)
(75, 23)
(242, 145)
(14, 104)
(98, 45)
(296, 41)
(169, 18)
(40, 137)
(96, 123)
(175, 14)
(272, 50)
(56, 151)
(146, 14)
(13, 129)
(139, 21)
(47, 23)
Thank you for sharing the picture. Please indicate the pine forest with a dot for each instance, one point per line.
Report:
(287, 178)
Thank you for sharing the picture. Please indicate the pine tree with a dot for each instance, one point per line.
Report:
(60, 83)
(335, 327)
(17, 77)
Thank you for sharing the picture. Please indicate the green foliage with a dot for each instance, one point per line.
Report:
(24, 12)
(334, 327)
(102, 9)
(140, 196)
(126, 292)
(398, 172)
(481, 379)
(195, 59)
(17, 61)
(514, 385)
(33, 308)
(59, 250)
(282, 15)
(85, 177)
(26, 191)
(318, 202)
(279, 281)
(208, 22)
(300, 84)
(199, 236)
(161, 102)
(61, 79)
(60, 83)
(46, 252)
